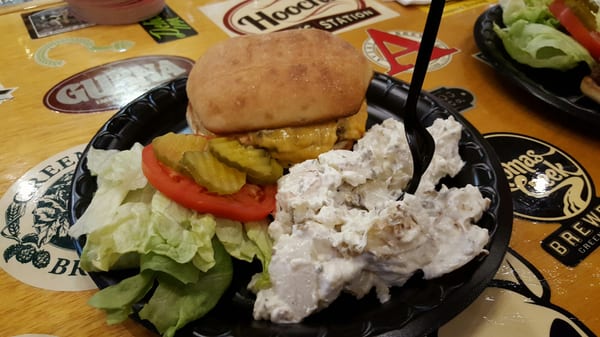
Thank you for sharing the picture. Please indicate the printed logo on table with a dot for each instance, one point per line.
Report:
(43, 58)
(36, 248)
(114, 84)
(548, 185)
(518, 287)
(167, 26)
(263, 16)
(396, 50)
(52, 21)
(6, 93)
(456, 7)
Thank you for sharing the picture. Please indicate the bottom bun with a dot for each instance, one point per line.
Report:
(590, 88)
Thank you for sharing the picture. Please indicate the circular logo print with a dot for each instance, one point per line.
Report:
(408, 43)
(36, 248)
(546, 183)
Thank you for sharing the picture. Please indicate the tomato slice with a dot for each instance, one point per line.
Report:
(590, 40)
(251, 203)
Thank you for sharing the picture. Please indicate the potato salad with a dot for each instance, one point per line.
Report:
(340, 226)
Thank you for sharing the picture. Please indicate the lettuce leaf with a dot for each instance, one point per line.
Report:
(542, 46)
(162, 227)
(185, 273)
(182, 294)
(118, 173)
(181, 234)
(257, 231)
(246, 241)
(117, 300)
(531, 37)
(174, 304)
(534, 11)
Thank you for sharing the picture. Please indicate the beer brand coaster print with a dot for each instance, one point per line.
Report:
(167, 26)
(6, 93)
(396, 50)
(36, 248)
(548, 185)
(455, 7)
(518, 299)
(52, 21)
(482, 58)
(256, 17)
(112, 85)
(43, 58)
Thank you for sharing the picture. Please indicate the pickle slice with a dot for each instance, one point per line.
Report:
(276, 173)
(256, 162)
(211, 173)
(169, 148)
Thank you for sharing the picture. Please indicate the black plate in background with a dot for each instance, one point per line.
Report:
(415, 309)
(559, 89)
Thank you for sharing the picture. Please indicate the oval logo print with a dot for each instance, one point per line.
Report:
(112, 85)
(253, 17)
(546, 183)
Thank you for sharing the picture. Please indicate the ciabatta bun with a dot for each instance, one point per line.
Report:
(282, 79)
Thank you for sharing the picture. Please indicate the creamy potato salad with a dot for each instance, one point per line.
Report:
(340, 228)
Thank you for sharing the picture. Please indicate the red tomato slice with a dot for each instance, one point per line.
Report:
(251, 203)
(590, 40)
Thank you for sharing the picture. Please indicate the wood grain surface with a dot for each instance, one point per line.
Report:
(30, 133)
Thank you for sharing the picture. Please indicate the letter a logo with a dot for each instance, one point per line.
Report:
(403, 45)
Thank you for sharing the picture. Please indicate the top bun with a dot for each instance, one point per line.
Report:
(282, 79)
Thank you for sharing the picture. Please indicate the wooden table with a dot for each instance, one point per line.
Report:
(35, 139)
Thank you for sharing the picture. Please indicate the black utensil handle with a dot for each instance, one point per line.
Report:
(432, 25)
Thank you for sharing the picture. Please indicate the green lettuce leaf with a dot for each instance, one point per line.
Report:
(246, 241)
(185, 273)
(542, 46)
(257, 231)
(233, 237)
(117, 300)
(174, 304)
(125, 233)
(534, 11)
(181, 234)
(118, 173)
(182, 294)
(162, 227)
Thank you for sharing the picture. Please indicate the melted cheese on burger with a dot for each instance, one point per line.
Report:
(293, 145)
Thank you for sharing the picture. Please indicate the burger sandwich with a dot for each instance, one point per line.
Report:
(295, 93)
